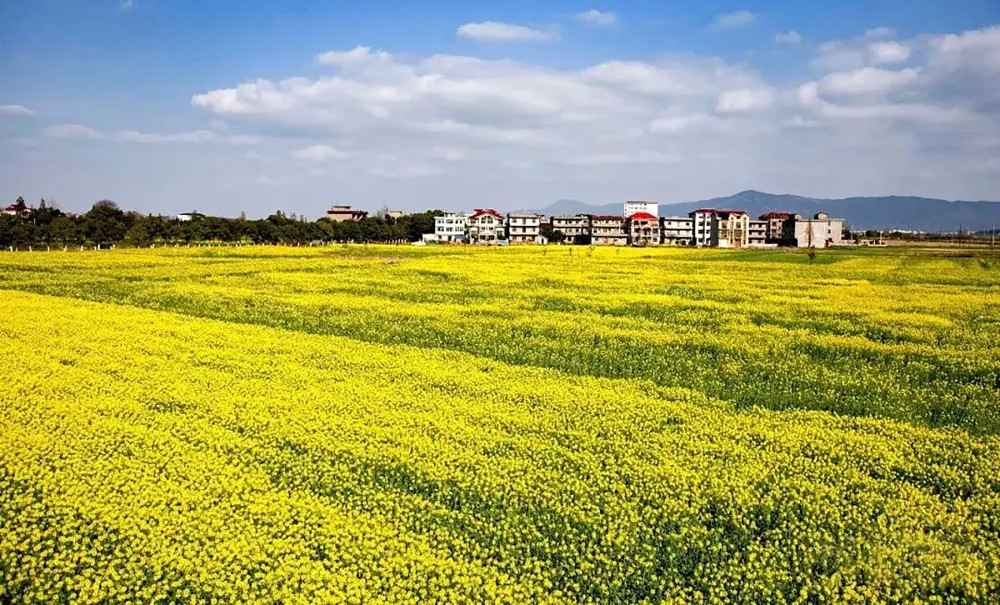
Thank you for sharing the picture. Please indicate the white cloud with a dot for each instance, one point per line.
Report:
(745, 100)
(15, 110)
(396, 170)
(644, 156)
(319, 153)
(256, 156)
(359, 55)
(867, 81)
(495, 31)
(734, 20)
(72, 131)
(196, 137)
(451, 154)
(977, 48)
(678, 124)
(791, 37)
(598, 18)
(126, 5)
(465, 124)
(877, 33)
(882, 53)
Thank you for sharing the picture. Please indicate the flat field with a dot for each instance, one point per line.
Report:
(400, 424)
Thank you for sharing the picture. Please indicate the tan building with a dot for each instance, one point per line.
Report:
(339, 214)
(575, 227)
(643, 229)
(608, 230)
(731, 229)
(721, 228)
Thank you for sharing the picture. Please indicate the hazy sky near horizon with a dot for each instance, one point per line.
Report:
(171, 105)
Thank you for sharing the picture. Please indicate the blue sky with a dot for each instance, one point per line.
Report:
(250, 106)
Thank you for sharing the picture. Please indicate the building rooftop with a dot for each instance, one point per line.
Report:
(483, 211)
(642, 216)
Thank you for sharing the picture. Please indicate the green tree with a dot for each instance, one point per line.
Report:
(138, 234)
(105, 223)
(64, 230)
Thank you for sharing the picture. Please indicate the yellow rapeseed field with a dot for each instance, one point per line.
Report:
(393, 424)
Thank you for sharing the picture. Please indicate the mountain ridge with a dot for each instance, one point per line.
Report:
(912, 213)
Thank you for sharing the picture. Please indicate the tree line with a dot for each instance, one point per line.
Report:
(106, 224)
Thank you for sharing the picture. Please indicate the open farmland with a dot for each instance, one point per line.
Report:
(520, 424)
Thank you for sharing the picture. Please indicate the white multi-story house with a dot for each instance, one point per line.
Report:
(677, 230)
(608, 230)
(486, 226)
(452, 227)
(524, 227)
(576, 227)
(818, 232)
(758, 233)
(702, 220)
(637, 206)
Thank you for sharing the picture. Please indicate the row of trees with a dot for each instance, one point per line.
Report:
(106, 224)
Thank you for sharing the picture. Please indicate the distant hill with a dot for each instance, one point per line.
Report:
(892, 212)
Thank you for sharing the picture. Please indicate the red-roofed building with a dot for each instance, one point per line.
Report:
(339, 214)
(643, 229)
(18, 208)
(486, 226)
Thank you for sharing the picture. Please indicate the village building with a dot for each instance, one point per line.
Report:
(775, 222)
(643, 229)
(340, 214)
(637, 206)
(757, 237)
(450, 227)
(702, 220)
(721, 228)
(487, 227)
(821, 231)
(677, 230)
(189, 216)
(524, 228)
(608, 230)
(18, 208)
(731, 229)
(575, 227)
